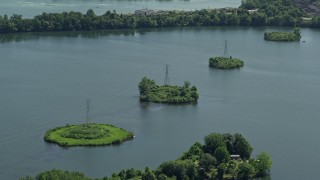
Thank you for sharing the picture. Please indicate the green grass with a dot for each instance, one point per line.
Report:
(87, 135)
(225, 63)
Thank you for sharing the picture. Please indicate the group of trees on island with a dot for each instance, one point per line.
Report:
(283, 36)
(151, 92)
(250, 13)
(225, 62)
(210, 160)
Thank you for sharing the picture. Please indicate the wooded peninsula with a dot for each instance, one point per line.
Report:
(222, 156)
(250, 13)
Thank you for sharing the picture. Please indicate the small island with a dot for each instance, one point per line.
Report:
(225, 62)
(151, 92)
(90, 134)
(283, 36)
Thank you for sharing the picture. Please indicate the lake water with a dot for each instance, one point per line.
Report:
(45, 80)
(30, 8)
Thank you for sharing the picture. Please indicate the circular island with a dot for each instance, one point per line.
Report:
(225, 63)
(87, 135)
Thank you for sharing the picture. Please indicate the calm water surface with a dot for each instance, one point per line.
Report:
(30, 8)
(45, 78)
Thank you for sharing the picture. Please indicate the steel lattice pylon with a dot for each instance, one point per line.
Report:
(166, 79)
(225, 53)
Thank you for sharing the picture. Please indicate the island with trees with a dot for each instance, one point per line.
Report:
(283, 36)
(151, 92)
(89, 134)
(222, 156)
(225, 62)
(250, 13)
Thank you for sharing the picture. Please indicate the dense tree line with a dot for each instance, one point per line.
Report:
(265, 13)
(210, 160)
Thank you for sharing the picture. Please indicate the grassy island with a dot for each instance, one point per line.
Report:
(151, 92)
(222, 156)
(283, 36)
(225, 63)
(87, 135)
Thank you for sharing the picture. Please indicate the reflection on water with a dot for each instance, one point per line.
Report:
(18, 37)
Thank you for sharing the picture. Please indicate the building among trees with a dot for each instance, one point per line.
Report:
(235, 157)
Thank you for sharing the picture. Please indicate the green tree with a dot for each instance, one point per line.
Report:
(246, 171)
(242, 146)
(222, 168)
(249, 4)
(245, 20)
(222, 155)
(213, 174)
(229, 140)
(90, 13)
(131, 173)
(263, 164)
(194, 152)
(207, 162)
(162, 177)
(233, 20)
(258, 19)
(146, 85)
(315, 22)
(212, 142)
(289, 20)
(148, 175)
(297, 32)
(233, 168)
(178, 168)
(186, 84)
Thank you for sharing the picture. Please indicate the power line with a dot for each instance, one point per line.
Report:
(88, 110)
(226, 54)
(166, 79)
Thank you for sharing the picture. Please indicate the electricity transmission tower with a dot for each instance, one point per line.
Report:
(88, 110)
(226, 54)
(166, 79)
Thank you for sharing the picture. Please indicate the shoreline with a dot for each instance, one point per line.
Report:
(148, 18)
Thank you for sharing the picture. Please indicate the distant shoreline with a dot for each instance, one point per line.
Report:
(246, 15)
